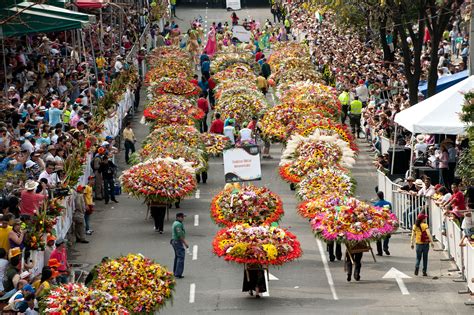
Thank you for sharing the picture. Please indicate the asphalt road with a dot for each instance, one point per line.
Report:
(303, 286)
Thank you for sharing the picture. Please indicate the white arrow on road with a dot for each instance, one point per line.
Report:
(396, 274)
(272, 277)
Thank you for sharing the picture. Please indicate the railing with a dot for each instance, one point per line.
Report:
(407, 207)
(386, 185)
(385, 144)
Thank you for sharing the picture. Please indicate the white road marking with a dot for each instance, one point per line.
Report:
(272, 277)
(396, 274)
(267, 293)
(326, 269)
(195, 252)
(196, 220)
(198, 194)
(192, 292)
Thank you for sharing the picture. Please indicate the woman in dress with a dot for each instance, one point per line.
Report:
(193, 45)
(254, 280)
(211, 45)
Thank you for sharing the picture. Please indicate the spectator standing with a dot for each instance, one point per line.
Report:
(108, 169)
(30, 200)
(178, 241)
(355, 114)
(60, 254)
(5, 229)
(89, 201)
(382, 203)
(422, 238)
(78, 215)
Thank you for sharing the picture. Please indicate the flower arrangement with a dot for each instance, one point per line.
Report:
(308, 209)
(283, 50)
(167, 52)
(176, 150)
(176, 86)
(244, 103)
(249, 204)
(75, 298)
(162, 180)
(323, 181)
(310, 92)
(237, 72)
(325, 126)
(170, 68)
(353, 221)
(215, 144)
(169, 109)
(224, 85)
(140, 284)
(221, 62)
(186, 135)
(287, 79)
(263, 245)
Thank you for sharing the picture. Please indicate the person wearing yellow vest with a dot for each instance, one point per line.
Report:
(287, 25)
(354, 115)
(173, 8)
(344, 99)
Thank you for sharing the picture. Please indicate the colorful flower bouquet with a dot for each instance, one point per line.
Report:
(262, 245)
(223, 86)
(284, 50)
(215, 144)
(354, 221)
(176, 86)
(221, 62)
(308, 209)
(176, 150)
(186, 135)
(160, 180)
(287, 79)
(325, 181)
(244, 103)
(325, 126)
(249, 204)
(237, 72)
(75, 298)
(167, 52)
(168, 109)
(170, 68)
(309, 92)
(140, 284)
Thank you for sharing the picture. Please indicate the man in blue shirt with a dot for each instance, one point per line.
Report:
(382, 203)
(206, 68)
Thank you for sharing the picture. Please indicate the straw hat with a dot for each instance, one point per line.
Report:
(420, 138)
(31, 185)
(418, 183)
(14, 252)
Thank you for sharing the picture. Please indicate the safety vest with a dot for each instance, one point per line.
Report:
(287, 23)
(344, 98)
(356, 107)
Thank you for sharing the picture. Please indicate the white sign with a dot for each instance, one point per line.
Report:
(233, 4)
(239, 32)
(242, 164)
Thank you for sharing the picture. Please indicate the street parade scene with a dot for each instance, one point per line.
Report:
(236, 157)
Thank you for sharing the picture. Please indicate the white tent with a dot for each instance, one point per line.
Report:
(438, 114)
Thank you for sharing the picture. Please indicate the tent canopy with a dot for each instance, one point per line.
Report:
(445, 82)
(438, 114)
(58, 11)
(32, 21)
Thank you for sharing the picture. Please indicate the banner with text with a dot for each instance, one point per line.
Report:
(242, 164)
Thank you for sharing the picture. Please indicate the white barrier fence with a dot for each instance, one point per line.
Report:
(407, 207)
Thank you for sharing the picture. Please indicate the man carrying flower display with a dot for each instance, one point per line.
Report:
(178, 241)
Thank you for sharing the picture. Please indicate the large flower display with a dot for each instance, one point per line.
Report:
(167, 52)
(226, 84)
(310, 92)
(186, 135)
(263, 245)
(323, 181)
(353, 221)
(309, 208)
(176, 150)
(248, 204)
(304, 154)
(238, 71)
(169, 109)
(170, 68)
(176, 86)
(140, 284)
(222, 61)
(215, 143)
(244, 103)
(75, 298)
(162, 180)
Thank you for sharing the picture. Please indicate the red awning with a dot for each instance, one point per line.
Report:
(90, 4)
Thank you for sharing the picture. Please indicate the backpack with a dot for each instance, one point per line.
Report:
(424, 237)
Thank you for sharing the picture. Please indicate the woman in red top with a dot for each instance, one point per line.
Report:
(235, 18)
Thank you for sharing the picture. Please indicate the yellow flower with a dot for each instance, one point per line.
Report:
(271, 251)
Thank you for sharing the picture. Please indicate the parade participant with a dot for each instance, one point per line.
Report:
(330, 249)
(217, 126)
(354, 115)
(158, 212)
(235, 18)
(89, 201)
(354, 255)
(265, 68)
(78, 215)
(383, 203)
(130, 140)
(254, 280)
(211, 45)
(107, 169)
(422, 238)
(203, 104)
(262, 84)
(344, 99)
(178, 241)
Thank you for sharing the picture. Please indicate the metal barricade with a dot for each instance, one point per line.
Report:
(407, 207)
(470, 266)
(385, 144)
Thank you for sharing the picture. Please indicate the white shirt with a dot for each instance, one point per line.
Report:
(446, 197)
(467, 222)
(51, 178)
(420, 147)
(245, 134)
(427, 192)
(118, 66)
(229, 133)
(28, 146)
(362, 92)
